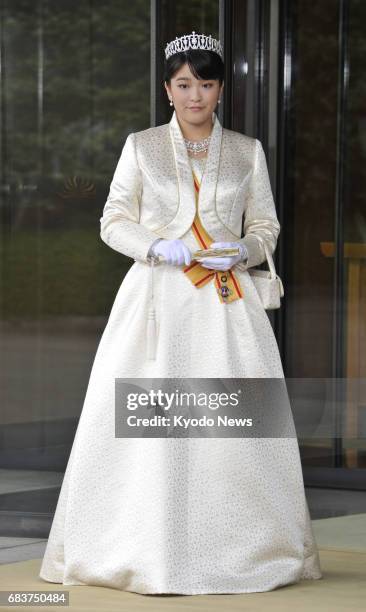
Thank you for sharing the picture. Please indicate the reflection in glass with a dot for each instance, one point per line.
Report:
(75, 81)
(328, 180)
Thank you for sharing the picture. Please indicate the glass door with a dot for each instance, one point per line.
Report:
(75, 80)
(324, 240)
(298, 86)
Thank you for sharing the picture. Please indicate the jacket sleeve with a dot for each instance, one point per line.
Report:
(119, 226)
(260, 220)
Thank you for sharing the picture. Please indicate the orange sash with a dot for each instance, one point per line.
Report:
(226, 283)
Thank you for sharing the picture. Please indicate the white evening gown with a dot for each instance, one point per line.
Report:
(170, 515)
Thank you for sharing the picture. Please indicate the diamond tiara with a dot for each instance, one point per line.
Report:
(193, 41)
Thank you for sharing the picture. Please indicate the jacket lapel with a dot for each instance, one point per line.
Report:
(207, 193)
(187, 207)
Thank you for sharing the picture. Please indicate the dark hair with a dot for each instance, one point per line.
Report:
(203, 64)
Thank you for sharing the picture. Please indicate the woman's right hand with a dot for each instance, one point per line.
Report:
(175, 252)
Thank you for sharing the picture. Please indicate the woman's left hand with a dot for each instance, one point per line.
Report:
(224, 263)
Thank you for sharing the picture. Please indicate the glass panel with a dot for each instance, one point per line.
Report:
(181, 17)
(75, 82)
(310, 217)
(311, 348)
(354, 254)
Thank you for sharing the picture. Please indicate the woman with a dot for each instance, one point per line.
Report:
(168, 515)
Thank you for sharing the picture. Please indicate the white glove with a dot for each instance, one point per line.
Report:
(175, 252)
(225, 263)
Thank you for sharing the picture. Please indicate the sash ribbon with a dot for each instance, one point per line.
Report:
(226, 282)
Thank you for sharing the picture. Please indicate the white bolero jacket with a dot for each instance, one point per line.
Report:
(152, 192)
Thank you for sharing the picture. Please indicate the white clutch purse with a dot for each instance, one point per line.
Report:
(267, 282)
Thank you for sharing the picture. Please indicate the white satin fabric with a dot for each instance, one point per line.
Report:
(186, 516)
(152, 192)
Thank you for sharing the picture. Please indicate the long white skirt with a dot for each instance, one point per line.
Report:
(180, 515)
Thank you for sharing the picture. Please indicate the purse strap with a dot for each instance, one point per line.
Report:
(270, 261)
(269, 258)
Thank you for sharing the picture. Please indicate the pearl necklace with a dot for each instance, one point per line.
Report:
(199, 146)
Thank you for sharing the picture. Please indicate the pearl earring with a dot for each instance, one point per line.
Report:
(171, 102)
(218, 101)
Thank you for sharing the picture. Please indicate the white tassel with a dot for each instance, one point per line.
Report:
(151, 333)
(151, 321)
